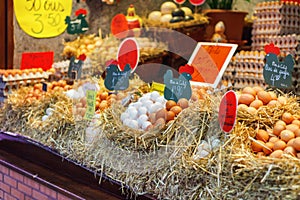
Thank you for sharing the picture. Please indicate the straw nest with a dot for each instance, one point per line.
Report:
(198, 20)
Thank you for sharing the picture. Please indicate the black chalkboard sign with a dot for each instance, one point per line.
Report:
(278, 74)
(2, 83)
(75, 68)
(116, 79)
(176, 88)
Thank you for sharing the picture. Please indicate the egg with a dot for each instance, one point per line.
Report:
(251, 110)
(167, 7)
(49, 111)
(242, 107)
(290, 142)
(176, 109)
(277, 129)
(161, 100)
(287, 117)
(268, 150)
(146, 125)
(292, 127)
(273, 139)
(264, 96)
(103, 95)
(137, 105)
(154, 95)
(257, 145)
(142, 110)
(296, 143)
(45, 117)
(282, 100)
(246, 99)
(273, 95)
(152, 117)
(155, 107)
(297, 133)
(133, 124)
(279, 145)
(133, 113)
(165, 18)
(249, 90)
(170, 115)
(276, 154)
(162, 113)
(154, 15)
(296, 121)
(256, 104)
(148, 104)
(141, 119)
(262, 135)
(290, 150)
(280, 122)
(273, 103)
(103, 105)
(170, 104)
(187, 11)
(160, 123)
(257, 89)
(183, 103)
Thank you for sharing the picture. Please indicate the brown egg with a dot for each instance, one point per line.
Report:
(152, 118)
(264, 96)
(183, 103)
(296, 121)
(257, 89)
(298, 155)
(162, 113)
(176, 109)
(256, 103)
(276, 154)
(292, 127)
(297, 133)
(273, 95)
(279, 145)
(257, 145)
(287, 117)
(280, 122)
(278, 128)
(170, 104)
(273, 103)
(282, 100)
(242, 107)
(246, 99)
(273, 139)
(262, 135)
(287, 135)
(296, 143)
(268, 150)
(160, 123)
(260, 154)
(103, 95)
(290, 150)
(170, 115)
(252, 110)
(103, 105)
(249, 90)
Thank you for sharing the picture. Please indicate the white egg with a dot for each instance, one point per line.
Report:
(124, 116)
(45, 117)
(141, 119)
(161, 100)
(133, 113)
(154, 15)
(144, 98)
(166, 18)
(154, 95)
(148, 104)
(155, 107)
(49, 111)
(142, 110)
(126, 121)
(215, 143)
(146, 124)
(136, 104)
(203, 153)
(203, 146)
(133, 124)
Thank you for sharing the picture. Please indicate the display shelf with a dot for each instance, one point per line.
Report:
(48, 166)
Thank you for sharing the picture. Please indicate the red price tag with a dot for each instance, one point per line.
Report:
(197, 2)
(128, 53)
(179, 1)
(42, 60)
(228, 111)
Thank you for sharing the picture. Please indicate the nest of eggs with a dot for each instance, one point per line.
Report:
(260, 175)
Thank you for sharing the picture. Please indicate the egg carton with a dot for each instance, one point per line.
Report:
(25, 78)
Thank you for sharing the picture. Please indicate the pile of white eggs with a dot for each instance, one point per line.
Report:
(48, 113)
(137, 114)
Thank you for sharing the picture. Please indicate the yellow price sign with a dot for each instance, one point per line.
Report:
(91, 104)
(159, 87)
(42, 18)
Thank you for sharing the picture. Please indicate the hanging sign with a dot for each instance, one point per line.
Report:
(42, 60)
(210, 61)
(128, 53)
(116, 79)
(75, 68)
(42, 18)
(91, 104)
(277, 74)
(228, 111)
(119, 26)
(179, 1)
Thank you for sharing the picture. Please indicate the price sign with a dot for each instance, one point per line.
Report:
(119, 26)
(116, 79)
(128, 53)
(179, 1)
(42, 60)
(91, 104)
(42, 18)
(176, 88)
(75, 68)
(228, 111)
(2, 83)
(197, 2)
(278, 74)
(78, 25)
(210, 61)
(157, 87)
